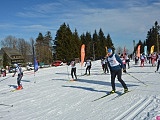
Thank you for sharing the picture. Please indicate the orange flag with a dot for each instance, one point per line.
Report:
(82, 54)
(138, 50)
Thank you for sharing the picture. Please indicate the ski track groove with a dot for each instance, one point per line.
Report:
(134, 110)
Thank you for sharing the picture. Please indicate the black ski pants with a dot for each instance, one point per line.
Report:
(117, 73)
(158, 64)
(88, 68)
(105, 68)
(73, 71)
(19, 79)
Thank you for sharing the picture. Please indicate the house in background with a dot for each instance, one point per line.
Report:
(11, 56)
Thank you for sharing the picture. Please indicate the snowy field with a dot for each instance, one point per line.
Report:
(49, 95)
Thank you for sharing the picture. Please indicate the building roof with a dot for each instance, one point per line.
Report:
(11, 52)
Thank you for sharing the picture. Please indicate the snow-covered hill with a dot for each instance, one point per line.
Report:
(49, 95)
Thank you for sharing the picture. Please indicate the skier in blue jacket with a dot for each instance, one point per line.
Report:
(115, 65)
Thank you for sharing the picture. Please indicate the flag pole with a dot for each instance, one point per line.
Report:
(33, 58)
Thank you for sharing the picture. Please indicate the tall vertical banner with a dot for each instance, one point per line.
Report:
(145, 50)
(152, 49)
(106, 50)
(82, 54)
(35, 65)
(138, 51)
(124, 51)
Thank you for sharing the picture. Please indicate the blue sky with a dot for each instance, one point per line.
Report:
(124, 20)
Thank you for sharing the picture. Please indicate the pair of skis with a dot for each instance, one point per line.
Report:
(15, 90)
(108, 94)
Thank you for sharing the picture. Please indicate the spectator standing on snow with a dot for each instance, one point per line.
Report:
(102, 64)
(158, 62)
(115, 64)
(73, 69)
(127, 60)
(149, 58)
(19, 71)
(136, 60)
(88, 65)
(123, 61)
(142, 58)
(3, 72)
(105, 65)
(153, 59)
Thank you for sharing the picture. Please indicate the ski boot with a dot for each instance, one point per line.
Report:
(113, 91)
(126, 90)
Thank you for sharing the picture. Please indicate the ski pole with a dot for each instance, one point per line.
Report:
(5, 78)
(7, 105)
(137, 79)
(34, 77)
(67, 71)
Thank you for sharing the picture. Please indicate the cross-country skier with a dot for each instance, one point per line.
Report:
(115, 64)
(124, 62)
(73, 69)
(88, 64)
(127, 60)
(153, 59)
(19, 71)
(105, 65)
(142, 58)
(158, 62)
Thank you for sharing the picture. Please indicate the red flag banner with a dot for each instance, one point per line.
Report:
(82, 54)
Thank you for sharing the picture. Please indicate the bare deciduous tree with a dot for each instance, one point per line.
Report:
(9, 41)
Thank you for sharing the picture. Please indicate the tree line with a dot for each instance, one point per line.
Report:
(68, 44)
(153, 38)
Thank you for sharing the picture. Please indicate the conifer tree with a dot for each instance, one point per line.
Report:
(48, 48)
(103, 43)
(153, 37)
(86, 39)
(109, 42)
(88, 47)
(76, 45)
(96, 45)
(64, 47)
(39, 49)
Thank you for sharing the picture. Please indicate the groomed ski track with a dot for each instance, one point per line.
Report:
(53, 97)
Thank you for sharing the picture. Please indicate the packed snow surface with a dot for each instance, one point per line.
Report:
(49, 95)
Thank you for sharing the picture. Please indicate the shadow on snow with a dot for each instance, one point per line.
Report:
(117, 84)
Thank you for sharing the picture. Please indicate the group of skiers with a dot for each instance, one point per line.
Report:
(116, 64)
(151, 59)
(88, 65)
(111, 61)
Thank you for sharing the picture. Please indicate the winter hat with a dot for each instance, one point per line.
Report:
(110, 50)
(15, 65)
